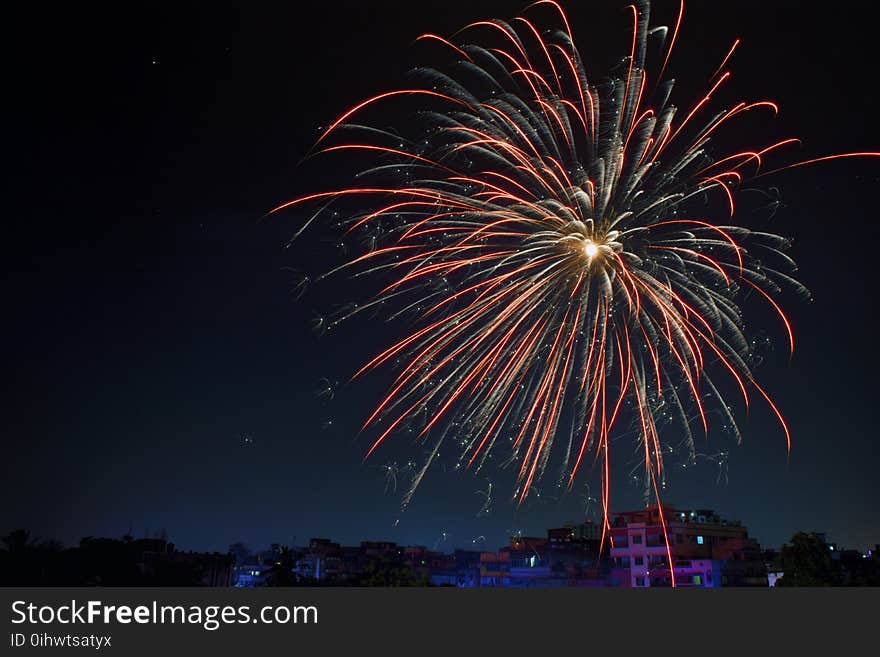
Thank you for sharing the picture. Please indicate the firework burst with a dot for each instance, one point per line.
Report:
(539, 226)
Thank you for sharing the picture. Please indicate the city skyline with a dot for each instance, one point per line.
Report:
(706, 549)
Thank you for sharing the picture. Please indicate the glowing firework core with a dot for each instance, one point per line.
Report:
(591, 249)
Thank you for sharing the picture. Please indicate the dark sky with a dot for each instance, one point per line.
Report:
(150, 327)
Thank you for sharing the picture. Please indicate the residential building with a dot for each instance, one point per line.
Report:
(705, 549)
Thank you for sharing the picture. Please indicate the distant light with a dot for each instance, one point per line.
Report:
(699, 540)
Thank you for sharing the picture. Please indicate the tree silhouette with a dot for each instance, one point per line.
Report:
(18, 541)
(281, 573)
(389, 572)
(26, 561)
(806, 561)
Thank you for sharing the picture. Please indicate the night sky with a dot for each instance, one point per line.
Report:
(159, 372)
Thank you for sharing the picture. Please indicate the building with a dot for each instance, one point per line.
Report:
(432, 566)
(569, 556)
(705, 550)
(251, 567)
(159, 562)
(329, 562)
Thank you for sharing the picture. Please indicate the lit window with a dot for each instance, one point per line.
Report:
(698, 581)
(699, 540)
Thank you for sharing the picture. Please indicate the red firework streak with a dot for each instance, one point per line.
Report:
(539, 227)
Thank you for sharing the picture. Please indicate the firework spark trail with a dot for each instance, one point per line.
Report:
(539, 227)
